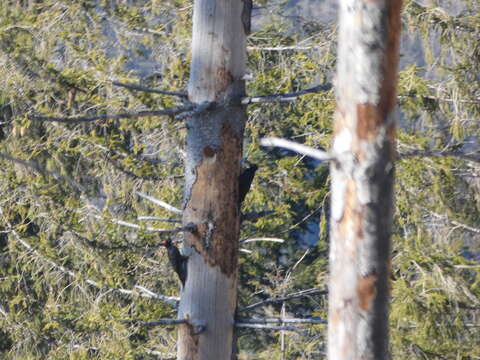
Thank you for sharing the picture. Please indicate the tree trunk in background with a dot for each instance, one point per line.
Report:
(214, 152)
(362, 179)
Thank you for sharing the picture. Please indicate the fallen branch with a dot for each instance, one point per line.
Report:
(161, 203)
(296, 295)
(285, 97)
(298, 148)
(174, 111)
(151, 90)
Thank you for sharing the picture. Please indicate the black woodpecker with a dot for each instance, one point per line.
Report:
(177, 260)
(245, 181)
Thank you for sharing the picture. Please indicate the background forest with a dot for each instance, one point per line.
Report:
(83, 272)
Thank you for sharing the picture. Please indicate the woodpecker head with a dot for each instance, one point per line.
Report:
(167, 243)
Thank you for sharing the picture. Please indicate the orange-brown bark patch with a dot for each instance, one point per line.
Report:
(223, 79)
(390, 61)
(213, 206)
(352, 217)
(366, 290)
(189, 343)
(368, 121)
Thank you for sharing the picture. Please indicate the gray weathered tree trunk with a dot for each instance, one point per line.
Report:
(214, 152)
(362, 179)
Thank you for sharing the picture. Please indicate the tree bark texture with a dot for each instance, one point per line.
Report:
(362, 179)
(214, 152)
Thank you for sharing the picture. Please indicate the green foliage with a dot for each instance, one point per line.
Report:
(57, 58)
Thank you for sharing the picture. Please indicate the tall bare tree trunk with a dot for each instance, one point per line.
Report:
(214, 152)
(362, 179)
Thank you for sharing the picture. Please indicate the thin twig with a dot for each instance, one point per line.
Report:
(151, 90)
(297, 295)
(298, 148)
(285, 97)
(161, 203)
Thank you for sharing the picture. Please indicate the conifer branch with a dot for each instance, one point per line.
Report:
(41, 170)
(150, 90)
(143, 291)
(298, 148)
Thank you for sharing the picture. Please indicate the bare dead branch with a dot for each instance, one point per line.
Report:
(298, 148)
(439, 153)
(174, 111)
(197, 327)
(285, 97)
(268, 327)
(161, 203)
(281, 321)
(155, 218)
(296, 295)
(150, 90)
(162, 322)
(267, 239)
(283, 48)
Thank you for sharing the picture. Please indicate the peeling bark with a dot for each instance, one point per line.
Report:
(362, 179)
(214, 152)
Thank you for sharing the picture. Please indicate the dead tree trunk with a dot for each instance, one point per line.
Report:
(362, 179)
(214, 152)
